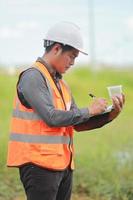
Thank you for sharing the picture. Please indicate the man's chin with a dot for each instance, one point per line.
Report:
(63, 71)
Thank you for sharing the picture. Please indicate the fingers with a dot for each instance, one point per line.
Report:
(117, 103)
(102, 103)
(123, 97)
(98, 106)
(120, 99)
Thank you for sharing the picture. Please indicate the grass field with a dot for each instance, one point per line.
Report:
(104, 157)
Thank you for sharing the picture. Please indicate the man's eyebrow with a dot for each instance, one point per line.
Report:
(75, 55)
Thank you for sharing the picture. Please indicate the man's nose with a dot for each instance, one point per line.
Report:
(72, 62)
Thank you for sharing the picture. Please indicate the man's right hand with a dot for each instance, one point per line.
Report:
(98, 106)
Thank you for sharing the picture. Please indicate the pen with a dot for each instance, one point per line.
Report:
(91, 95)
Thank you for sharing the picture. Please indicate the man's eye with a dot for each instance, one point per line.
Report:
(73, 57)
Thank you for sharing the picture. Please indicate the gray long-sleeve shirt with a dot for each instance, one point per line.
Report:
(33, 90)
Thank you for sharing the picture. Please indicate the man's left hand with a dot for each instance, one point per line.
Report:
(118, 103)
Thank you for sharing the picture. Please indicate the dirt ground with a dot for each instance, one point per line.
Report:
(74, 197)
(81, 197)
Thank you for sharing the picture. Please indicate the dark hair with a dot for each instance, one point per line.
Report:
(64, 47)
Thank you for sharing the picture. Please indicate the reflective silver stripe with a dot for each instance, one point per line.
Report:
(40, 139)
(25, 115)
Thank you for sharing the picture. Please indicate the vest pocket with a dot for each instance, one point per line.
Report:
(47, 149)
(53, 149)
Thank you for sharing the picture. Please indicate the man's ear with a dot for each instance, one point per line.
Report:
(57, 49)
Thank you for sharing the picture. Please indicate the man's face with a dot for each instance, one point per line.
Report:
(65, 60)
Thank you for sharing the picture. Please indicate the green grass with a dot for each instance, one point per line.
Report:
(104, 157)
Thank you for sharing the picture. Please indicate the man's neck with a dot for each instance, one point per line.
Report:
(46, 60)
(50, 68)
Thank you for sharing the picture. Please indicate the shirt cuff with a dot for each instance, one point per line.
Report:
(85, 113)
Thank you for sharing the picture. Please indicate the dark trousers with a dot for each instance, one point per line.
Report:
(44, 184)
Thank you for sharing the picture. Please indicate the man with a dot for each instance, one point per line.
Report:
(45, 115)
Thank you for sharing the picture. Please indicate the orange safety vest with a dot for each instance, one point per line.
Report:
(33, 141)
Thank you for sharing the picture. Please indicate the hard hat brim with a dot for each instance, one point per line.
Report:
(63, 42)
(83, 52)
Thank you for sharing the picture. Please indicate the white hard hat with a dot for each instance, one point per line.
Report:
(66, 33)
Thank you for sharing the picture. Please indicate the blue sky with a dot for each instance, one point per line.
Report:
(23, 25)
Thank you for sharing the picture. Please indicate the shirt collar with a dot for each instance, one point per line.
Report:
(52, 71)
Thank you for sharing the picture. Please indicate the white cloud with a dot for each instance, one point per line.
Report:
(17, 31)
(27, 25)
(16, 2)
(9, 32)
(129, 23)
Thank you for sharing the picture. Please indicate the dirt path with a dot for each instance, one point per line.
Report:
(81, 197)
(74, 197)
